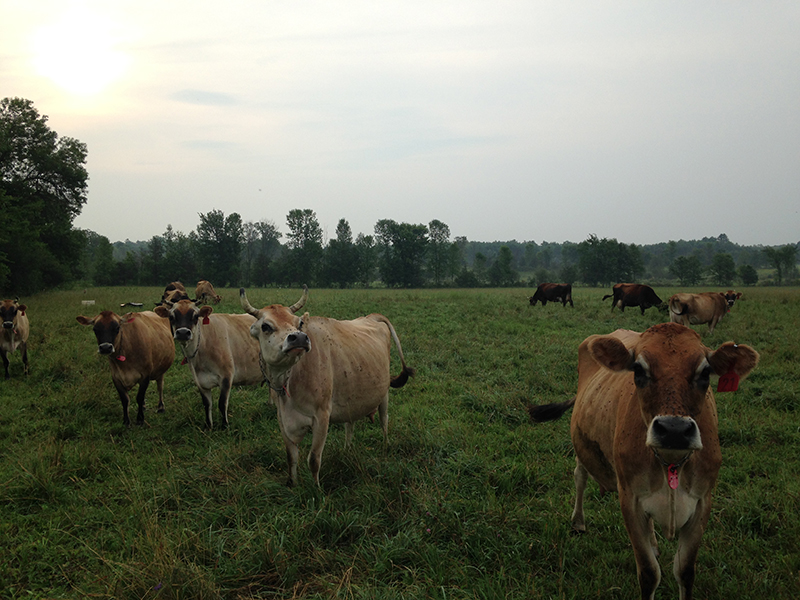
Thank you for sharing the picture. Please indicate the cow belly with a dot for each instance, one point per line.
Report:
(206, 379)
(659, 507)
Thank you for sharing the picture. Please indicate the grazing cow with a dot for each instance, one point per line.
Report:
(205, 293)
(139, 347)
(553, 292)
(174, 292)
(633, 294)
(15, 332)
(323, 371)
(219, 349)
(644, 423)
(696, 309)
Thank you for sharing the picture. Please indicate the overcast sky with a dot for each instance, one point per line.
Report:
(528, 120)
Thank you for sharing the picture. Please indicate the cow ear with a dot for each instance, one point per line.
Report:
(161, 311)
(22, 308)
(739, 358)
(611, 353)
(205, 311)
(83, 320)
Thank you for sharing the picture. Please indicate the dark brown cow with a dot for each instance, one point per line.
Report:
(205, 294)
(552, 292)
(14, 334)
(323, 371)
(174, 292)
(644, 423)
(633, 294)
(696, 309)
(219, 349)
(139, 347)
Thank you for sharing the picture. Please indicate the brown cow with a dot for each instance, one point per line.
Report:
(219, 349)
(16, 330)
(633, 294)
(174, 292)
(731, 296)
(696, 309)
(553, 292)
(645, 423)
(323, 371)
(139, 347)
(205, 294)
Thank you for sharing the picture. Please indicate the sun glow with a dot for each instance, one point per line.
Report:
(78, 52)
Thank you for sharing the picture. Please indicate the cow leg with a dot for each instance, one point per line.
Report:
(5, 361)
(581, 476)
(124, 399)
(688, 545)
(224, 394)
(140, 400)
(319, 434)
(642, 307)
(160, 386)
(205, 396)
(292, 432)
(24, 349)
(348, 433)
(383, 414)
(639, 527)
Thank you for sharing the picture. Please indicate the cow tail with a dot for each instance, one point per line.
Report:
(607, 296)
(677, 307)
(550, 412)
(401, 379)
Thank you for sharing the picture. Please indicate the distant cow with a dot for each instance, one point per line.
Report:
(644, 423)
(731, 296)
(139, 347)
(633, 294)
(16, 329)
(205, 294)
(696, 309)
(219, 349)
(323, 371)
(552, 292)
(174, 292)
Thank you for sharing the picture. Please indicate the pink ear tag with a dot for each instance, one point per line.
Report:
(184, 361)
(206, 321)
(672, 476)
(121, 358)
(22, 313)
(728, 382)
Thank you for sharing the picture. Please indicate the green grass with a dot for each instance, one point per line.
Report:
(469, 500)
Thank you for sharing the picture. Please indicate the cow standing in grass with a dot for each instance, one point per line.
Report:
(633, 294)
(15, 332)
(696, 309)
(552, 292)
(323, 371)
(140, 349)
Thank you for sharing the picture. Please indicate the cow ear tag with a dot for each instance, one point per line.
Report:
(184, 361)
(728, 382)
(121, 358)
(206, 321)
(672, 477)
(22, 313)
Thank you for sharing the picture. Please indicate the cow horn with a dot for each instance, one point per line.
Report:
(246, 306)
(300, 303)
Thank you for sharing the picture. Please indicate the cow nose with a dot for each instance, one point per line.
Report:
(8, 324)
(297, 340)
(183, 334)
(105, 348)
(674, 433)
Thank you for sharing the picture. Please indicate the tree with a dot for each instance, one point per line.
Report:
(366, 259)
(219, 240)
(722, 269)
(687, 269)
(402, 247)
(782, 259)
(340, 257)
(501, 273)
(43, 187)
(439, 256)
(748, 275)
(305, 246)
(268, 250)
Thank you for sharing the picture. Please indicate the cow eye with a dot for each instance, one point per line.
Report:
(300, 326)
(266, 328)
(639, 375)
(703, 378)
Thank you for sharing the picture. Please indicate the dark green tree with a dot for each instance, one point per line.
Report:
(748, 274)
(219, 244)
(439, 256)
(722, 269)
(687, 269)
(783, 259)
(304, 242)
(366, 259)
(402, 252)
(502, 273)
(341, 257)
(43, 187)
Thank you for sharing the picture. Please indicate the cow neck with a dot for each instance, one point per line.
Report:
(118, 354)
(276, 382)
(195, 339)
(672, 470)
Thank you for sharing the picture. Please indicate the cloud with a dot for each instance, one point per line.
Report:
(204, 98)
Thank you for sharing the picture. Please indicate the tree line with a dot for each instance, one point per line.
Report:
(43, 187)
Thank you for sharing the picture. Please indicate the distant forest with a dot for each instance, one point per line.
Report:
(44, 185)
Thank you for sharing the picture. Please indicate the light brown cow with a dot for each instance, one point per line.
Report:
(323, 371)
(219, 349)
(645, 423)
(139, 347)
(696, 309)
(16, 329)
(205, 294)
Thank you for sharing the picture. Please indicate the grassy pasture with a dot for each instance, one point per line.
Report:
(469, 500)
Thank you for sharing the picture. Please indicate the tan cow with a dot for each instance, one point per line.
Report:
(696, 309)
(323, 371)
(205, 294)
(16, 330)
(174, 292)
(645, 423)
(139, 347)
(219, 349)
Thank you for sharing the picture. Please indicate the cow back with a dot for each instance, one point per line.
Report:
(226, 347)
(145, 342)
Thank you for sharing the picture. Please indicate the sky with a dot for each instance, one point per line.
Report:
(506, 120)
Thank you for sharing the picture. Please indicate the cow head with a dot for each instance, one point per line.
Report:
(183, 318)
(671, 372)
(731, 297)
(106, 327)
(279, 332)
(9, 309)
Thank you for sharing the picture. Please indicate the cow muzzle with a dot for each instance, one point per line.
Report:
(8, 324)
(669, 432)
(105, 348)
(183, 334)
(296, 342)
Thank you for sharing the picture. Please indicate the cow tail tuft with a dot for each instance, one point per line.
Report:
(549, 412)
(402, 378)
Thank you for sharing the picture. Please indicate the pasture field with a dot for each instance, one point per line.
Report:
(469, 499)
